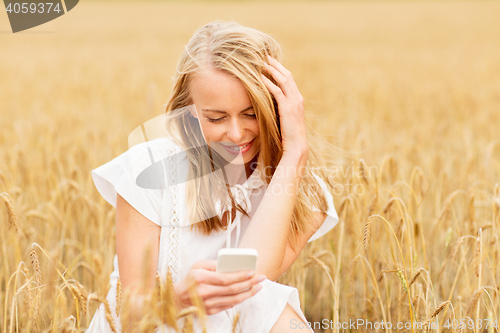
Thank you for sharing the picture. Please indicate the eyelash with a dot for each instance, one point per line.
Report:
(219, 119)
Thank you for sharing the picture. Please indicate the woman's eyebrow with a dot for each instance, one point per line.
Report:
(248, 108)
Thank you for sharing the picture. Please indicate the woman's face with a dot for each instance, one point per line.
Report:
(226, 116)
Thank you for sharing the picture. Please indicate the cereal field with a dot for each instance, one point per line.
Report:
(406, 95)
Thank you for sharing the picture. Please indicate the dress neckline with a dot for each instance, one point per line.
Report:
(252, 182)
(241, 194)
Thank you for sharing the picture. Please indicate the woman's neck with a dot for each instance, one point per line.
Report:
(237, 174)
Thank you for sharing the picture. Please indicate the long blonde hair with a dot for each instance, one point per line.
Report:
(241, 52)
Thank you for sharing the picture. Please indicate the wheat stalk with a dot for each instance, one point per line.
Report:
(118, 296)
(436, 311)
(10, 210)
(109, 317)
(107, 310)
(477, 253)
(68, 325)
(186, 311)
(471, 212)
(29, 293)
(3, 178)
(389, 204)
(363, 167)
(366, 236)
(235, 321)
(393, 169)
(373, 205)
(445, 211)
(414, 278)
(80, 292)
(473, 301)
(327, 270)
(402, 278)
(61, 301)
(38, 279)
(486, 226)
(352, 266)
(455, 249)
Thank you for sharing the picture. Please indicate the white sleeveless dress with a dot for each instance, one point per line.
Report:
(180, 247)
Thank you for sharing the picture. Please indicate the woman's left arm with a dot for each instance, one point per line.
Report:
(269, 229)
(290, 254)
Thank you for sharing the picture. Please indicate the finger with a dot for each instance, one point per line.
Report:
(274, 89)
(275, 63)
(206, 264)
(233, 299)
(287, 81)
(218, 309)
(233, 289)
(286, 85)
(222, 279)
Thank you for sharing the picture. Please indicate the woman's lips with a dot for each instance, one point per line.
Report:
(243, 151)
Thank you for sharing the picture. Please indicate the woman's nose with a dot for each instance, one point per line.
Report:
(236, 132)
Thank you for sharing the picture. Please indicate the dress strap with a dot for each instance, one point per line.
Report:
(241, 195)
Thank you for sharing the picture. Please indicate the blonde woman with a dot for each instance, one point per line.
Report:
(231, 169)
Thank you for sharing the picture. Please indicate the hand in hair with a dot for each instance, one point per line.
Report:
(290, 108)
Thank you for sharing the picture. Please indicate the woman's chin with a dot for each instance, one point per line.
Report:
(229, 157)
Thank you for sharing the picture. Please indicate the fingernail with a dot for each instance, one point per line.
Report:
(261, 278)
(259, 287)
(249, 275)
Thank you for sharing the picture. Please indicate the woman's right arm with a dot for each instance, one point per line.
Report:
(135, 234)
(137, 239)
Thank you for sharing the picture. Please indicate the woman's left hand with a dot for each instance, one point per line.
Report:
(290, 108)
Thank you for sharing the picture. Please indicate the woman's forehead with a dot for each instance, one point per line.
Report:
(219, 90)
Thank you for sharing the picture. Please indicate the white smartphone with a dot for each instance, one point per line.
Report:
(236, 259)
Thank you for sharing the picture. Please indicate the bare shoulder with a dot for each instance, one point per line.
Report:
(126, 214)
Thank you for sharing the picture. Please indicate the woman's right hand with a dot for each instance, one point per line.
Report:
(219, 291)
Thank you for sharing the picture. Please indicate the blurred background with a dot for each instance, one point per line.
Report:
(407, 89)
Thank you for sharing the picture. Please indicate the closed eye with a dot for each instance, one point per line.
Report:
(216, 120)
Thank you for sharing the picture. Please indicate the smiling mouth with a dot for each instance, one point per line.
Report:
(238, 147)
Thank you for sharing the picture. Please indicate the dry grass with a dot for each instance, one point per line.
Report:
(408, 92)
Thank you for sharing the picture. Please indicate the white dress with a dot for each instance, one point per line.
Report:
(180, 247)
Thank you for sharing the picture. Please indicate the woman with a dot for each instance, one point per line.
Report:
(232, 154)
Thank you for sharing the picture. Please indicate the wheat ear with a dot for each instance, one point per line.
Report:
(477, 253)
(29, 294)
(414, 278)
(10, 210)
(81, 293)
(38, 279)
(107, 310)
(455, 249)
(437, 310)
(366, 236)
(473, 301)
(235, 322)
(118, 296)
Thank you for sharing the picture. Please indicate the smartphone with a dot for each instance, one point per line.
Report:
(236, 259)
